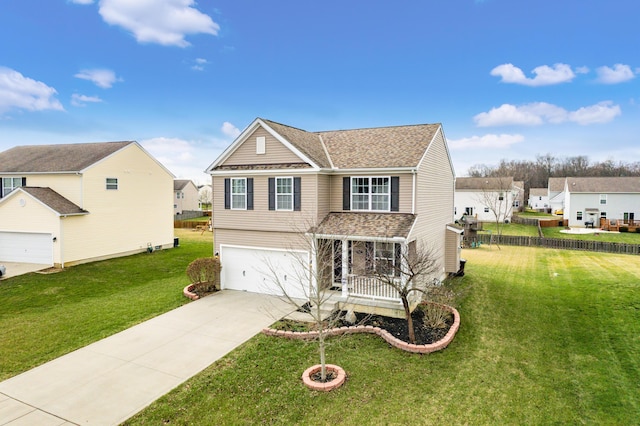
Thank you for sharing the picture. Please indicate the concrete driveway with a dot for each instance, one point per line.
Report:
(112, 379)
(15, 269)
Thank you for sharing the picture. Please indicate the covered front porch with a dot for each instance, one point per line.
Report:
(360, 255)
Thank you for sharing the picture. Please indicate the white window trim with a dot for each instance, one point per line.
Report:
(110, 185)
(12, 187)
(277, 201)
(370, 194)
(232, 193)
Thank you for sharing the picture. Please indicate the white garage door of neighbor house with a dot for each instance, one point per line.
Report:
(26, 247)
(254, 270)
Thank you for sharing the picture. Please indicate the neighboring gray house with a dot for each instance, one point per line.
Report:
(366, 194)
(590, 199)
(185, 196)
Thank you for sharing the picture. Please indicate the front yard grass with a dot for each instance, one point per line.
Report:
(510, 229)
(45, 316)
(547, 337)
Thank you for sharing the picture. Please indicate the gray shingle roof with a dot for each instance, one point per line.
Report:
(604, 184)
(538, 192)
(179, 184)
(54, 200)
(380, 225)
(556, 184)
(56, 158)
(484, 183)
(380, 147)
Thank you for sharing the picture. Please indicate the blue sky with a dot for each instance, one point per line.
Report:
(506, 78)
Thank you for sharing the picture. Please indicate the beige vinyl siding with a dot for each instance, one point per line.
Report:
(406, 191)
(452, 251)
(324, 190)
(125, 220)
(276, 152)
(261, 218)
(262, 239)
(67, 185)
(434, 202)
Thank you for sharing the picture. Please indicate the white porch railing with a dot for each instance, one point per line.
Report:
(370, 287)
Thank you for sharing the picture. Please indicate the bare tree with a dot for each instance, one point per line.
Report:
(497, 194)
(307, 287)
(413, 272)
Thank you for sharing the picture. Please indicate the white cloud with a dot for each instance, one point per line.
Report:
(618, 74)
(490, 141)
(185, 159)
(165, 22)
(81, 1)
(20, 92)
(82, 100)
(100, 77)
(200, 63)
(537, 113)
(602, 112)
(230, 130)
(545, 75)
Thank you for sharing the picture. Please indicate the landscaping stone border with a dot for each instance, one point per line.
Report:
(341, 376)
(188, 292)
(388, 337)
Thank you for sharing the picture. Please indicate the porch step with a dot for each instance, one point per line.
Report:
(326, 310)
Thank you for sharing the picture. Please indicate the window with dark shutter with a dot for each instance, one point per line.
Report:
(272, 193)
(395, 193)
(297, 183)
(227, 193)
(249, 193)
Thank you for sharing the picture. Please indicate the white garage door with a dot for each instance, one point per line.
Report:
(26, 247)
(255, 270)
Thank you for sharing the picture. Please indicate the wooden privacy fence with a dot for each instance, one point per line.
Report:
(560, 243)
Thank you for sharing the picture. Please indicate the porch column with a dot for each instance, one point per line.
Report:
(345, 268)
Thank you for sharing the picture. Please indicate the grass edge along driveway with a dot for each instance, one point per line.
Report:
(547, 336)
(43, 317)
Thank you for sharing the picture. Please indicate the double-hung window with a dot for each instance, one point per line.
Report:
(603, 198)
(284, 193)
(370, 193)
(238, 193)
(9, 184)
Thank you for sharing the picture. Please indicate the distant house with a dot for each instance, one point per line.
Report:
(590, 200)
(205, 197)
(185, 196)
(539, 199)
(486, 199)
(368, 195)
(556, 193)
(68, 204)
(518, 200)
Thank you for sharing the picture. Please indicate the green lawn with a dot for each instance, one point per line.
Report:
(511, 229)
(613, 237)
(45, 316)
(547, 337)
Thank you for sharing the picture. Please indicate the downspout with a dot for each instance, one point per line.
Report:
(61, 240)
(414, 189)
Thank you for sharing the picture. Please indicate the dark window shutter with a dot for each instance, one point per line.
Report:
(395, 193)
(227, 193)
(249, 193)
(296, 193)
(24, 181)
(346, 193)
(398, 259)
(272, 193)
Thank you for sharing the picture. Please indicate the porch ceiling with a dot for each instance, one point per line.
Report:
(377, 225)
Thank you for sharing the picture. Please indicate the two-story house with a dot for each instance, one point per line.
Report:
(539, 199)
(367, 195)
(68, 204)
(597, 201)
(556, 193)
(487, 199)
(185, 196)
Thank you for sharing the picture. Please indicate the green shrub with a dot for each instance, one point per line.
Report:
(624, 229)
(204, 274)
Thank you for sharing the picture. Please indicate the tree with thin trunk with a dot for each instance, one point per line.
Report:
(411, 274)
(308, 288)
(498, 194)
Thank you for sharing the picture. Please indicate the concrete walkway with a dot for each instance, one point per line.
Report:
(109, 381)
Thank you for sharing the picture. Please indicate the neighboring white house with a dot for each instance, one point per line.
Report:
(539, 199)
(486, 198)
(67, 204)
(185, 196)
(589, 199)
(556, 193)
